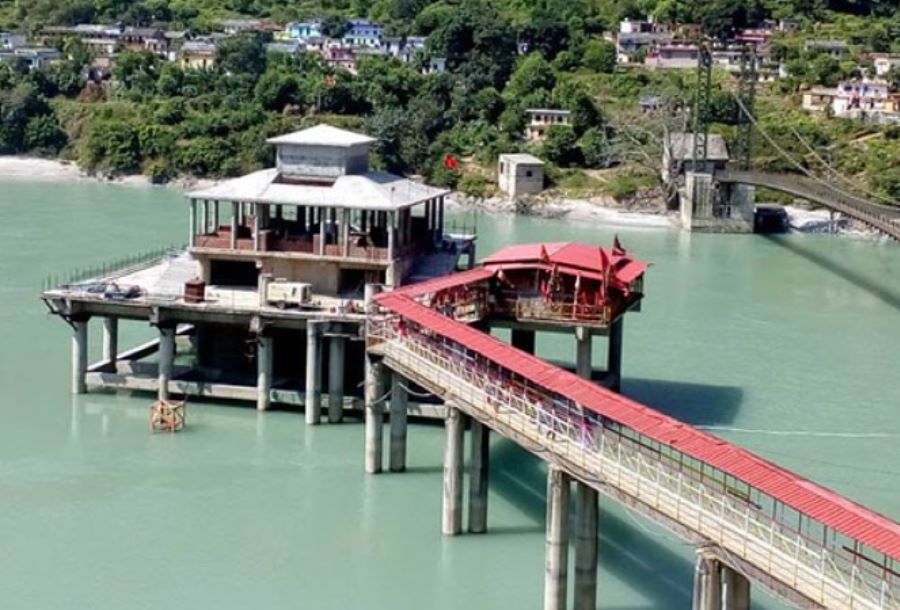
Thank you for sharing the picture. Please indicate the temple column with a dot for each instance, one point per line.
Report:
(110, 340)
(735, 590)
(479, 465)
(336, 380)
(557, 545)
(586, 517)
(79, 355)
(451, 515)
(399, 405)
(313, 392)
(234, 226)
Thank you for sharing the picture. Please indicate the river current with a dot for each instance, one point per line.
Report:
(786, 345)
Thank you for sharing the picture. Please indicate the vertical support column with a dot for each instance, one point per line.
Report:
(391, 237)
(440, 227)
(336, 380)
(707, 579)
(79, 355)
(204, 215)
(479, 466)
(110, 340)
(234, 225)
(614, 355)
(321, 232)
(166, 356)
(583, 365)
(557, 547)
(586, 512)
(313, 393)
(735, 590)
(192, 223)
(263, 372)
(345, 232)
(523, 339)
(451, 515)
(374, 394)
(257, 225)
(215, 217)
(399, 405)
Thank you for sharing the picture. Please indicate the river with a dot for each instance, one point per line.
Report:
(787, 345)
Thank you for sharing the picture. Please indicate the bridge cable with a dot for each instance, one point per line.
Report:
(787, 157)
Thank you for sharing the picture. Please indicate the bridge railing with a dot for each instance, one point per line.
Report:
(618, 458)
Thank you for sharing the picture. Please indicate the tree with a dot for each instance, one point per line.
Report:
(111, 144)
(561, 146)
(533, 74)
(137, 71)
(600, 56)
(334, 26)
(277, 89)
(242, 54)
(595, 148)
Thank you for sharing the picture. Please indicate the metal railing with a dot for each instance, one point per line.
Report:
(101, 271)
(568, 432)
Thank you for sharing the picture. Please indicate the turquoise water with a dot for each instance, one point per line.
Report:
(788, 346)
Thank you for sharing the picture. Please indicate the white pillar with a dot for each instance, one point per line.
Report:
(583, 352)
(557, 546)
(336, 380)
(110, 339)
(263, 372)
(234, 225)
(586, 512)
(391, 236)
(374, 414)
(192, 223)
(257, 225)
(479, 465)
(399, 404)
(322, 231)
(707, 588)
(735, 590)
(614, 356)
(166, 356)
(451, 516)
(313, 393)
(79, 355)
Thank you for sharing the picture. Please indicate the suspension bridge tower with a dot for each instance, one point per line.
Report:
(704, 204)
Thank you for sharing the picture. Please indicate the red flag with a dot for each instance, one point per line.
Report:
(450, 161)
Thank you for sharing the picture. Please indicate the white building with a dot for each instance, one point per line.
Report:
(540, 120)
(853, 99)
(520, 174)
(884, 62)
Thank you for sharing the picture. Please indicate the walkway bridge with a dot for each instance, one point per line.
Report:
(885, 218)
(750, 518)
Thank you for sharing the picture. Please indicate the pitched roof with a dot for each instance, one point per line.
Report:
(682, 147)
(323, 135)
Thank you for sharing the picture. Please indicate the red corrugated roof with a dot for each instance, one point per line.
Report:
(446, 281)
(570, 257)
(825, 506)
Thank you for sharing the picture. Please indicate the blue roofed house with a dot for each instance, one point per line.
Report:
(303, 30)
(363, 33)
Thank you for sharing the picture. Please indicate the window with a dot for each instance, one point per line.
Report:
(502, 167)
(528, 173)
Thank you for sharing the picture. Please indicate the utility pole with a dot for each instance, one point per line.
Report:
(747, 98)
(701, 109)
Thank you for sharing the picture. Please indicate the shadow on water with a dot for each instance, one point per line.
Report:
(845, 272)
(632, 555)
(693, 403)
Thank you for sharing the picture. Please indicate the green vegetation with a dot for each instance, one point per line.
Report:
(163, 120)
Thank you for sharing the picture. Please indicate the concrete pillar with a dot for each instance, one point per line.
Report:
(440, 227)
(583, 365)
(399, 405)
(557, 547)
(479, 465)
(263, 372)
(391, 237)
(707, 578)
(110, 339)
(523, 339)
(614, 354)
(79, 355)
(166, 356)
(735, 590)
(192, 223)
(374, 414)
(257, 225)
(313, 392)
(586, 513)
(451, 515)
(321, 232)
(336, 380)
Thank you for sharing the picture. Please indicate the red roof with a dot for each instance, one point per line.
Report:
(570, 257)
(446, 281)
(825, 506)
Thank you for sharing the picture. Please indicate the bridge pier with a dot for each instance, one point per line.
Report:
(374, 413)
(336, 380)
(110, 340)
(79, 355)
(707, 583)
(614, 354)
(735, 590)
(451, 515)
(313, 390)
(263, 372)
(557, 541)
(399, 405)
(583, 365)
(586, 519)
(166, 357)
(479, 465)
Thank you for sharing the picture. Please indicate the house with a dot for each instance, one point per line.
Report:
(520, 174)
(649, 102)
(101, 46)
(540, 120)
(363, 33)
(630, 44)
(857, 99)
(756, 37)
(435, 65)
(11, 42)
(835, 48)
(235, 26)
(679, 153)
(340, 57)
(145, 39)
(403, 48)
(34, 57)
(311, 28)
(197, 55)
(675, 55)
(885, 62)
